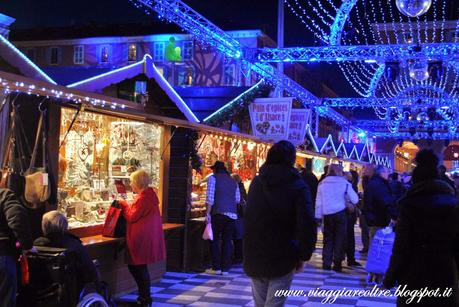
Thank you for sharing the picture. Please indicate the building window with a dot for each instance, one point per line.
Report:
(188, 48)
(54, 56)
(78, 54)
(229, 74)
(185, 75)
(31, 54)
(104, 54)
(158, 52)
(140, 92)
(132, 53)
(160, 69)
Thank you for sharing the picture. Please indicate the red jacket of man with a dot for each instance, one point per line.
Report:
(144, 233)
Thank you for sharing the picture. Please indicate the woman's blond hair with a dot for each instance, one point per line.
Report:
(54, 222)
(141, 179)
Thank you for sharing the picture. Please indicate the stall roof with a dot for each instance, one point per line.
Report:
(109, 105)
(146, 67)
(21, 62)
(71, 97)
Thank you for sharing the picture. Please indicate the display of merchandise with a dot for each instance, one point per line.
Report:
(99, 151)
(243, 158)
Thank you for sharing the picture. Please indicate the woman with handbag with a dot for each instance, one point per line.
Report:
(144, 233)
(333, 193)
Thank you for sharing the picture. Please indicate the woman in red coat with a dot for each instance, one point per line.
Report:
(144, 233)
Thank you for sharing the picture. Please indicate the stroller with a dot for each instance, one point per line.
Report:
(53, 282)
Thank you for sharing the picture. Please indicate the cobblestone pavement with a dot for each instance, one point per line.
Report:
(189, 289)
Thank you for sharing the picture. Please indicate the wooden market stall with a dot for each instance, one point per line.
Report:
(94, 142)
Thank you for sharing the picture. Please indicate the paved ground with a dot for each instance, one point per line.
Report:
(182, 289)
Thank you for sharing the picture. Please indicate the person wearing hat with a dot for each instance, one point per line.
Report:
(221, 200)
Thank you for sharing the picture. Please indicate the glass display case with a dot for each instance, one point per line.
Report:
(97, 152)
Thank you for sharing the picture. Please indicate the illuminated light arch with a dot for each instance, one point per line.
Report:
(336, 31)
(429, 87)
(340, 20)
(375, 80)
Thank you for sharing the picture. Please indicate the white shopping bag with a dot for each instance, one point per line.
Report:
(208, 234)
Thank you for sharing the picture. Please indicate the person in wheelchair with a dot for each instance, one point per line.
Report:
(55, 230)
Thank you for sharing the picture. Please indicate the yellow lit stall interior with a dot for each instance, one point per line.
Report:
(96, 158)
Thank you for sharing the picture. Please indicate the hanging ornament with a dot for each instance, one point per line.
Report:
(419, 70)
(413, 8)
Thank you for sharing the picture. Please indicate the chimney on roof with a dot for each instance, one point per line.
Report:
(5, 22)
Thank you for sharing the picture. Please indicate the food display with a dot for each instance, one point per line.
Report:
(97, 151)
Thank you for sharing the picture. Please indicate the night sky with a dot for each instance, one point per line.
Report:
(227, 14)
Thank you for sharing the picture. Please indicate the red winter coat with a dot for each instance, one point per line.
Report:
(144, 233)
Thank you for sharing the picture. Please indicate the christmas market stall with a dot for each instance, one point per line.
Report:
(92, 143)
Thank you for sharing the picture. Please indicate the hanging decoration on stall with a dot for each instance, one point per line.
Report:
(195, 159)
(270, 118)
(236, 110)
(299, 120)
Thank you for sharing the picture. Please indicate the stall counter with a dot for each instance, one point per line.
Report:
(110, 254)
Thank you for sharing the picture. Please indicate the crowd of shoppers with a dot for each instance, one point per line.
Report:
(273, 227)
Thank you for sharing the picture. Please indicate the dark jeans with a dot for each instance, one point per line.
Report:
(142, 279)
(238, 251)
(223, 230)
(8, 281)
(334, 238)
(350, 236)
(365, 232)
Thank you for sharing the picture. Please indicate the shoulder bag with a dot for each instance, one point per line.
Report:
(349, 206)
(37, 189)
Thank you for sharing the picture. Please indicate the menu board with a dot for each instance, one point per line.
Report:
(270, 118)
(299, 119)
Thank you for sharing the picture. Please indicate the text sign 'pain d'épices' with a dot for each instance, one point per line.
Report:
(273, 119)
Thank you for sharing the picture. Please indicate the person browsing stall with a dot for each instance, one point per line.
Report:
(14, 226)
(144, 233)
(222, 198)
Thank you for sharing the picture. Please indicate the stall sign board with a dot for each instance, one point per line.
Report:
(299, 119)
(270, 118)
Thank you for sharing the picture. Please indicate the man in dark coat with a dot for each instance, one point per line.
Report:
(280, 230)
(426, 247)
(396, 187)
(310, 179)
(380, 207)
(14, 226)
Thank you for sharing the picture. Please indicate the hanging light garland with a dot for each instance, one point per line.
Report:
(33, 87)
